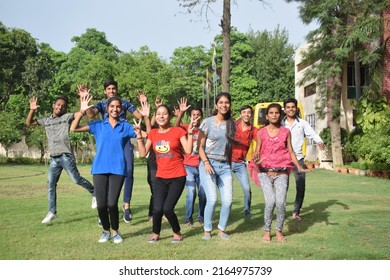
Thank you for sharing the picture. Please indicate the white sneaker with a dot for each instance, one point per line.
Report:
(117, 238)
(94, 203)
(106, 235)
(49, 217)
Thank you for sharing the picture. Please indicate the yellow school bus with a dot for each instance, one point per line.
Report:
(259, 120)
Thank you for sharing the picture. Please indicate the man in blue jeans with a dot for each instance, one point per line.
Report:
(61, 156)
(110, 90)
(191, 164)
(245, 133)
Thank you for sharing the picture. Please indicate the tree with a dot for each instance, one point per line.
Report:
(16, 45)
(331, 45)
(10, 131)
(225, 26)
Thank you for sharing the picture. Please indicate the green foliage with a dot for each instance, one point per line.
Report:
(10, 131)
(363, 165)
(326, 136)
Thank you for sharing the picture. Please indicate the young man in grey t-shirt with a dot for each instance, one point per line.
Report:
(61, 156)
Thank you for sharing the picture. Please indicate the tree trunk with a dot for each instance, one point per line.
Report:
(226, 26)
(334, 105)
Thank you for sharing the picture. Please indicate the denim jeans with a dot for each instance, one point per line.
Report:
(239, 168)
(57, 163)
(129, 179)
(192, 182)
(222, 180)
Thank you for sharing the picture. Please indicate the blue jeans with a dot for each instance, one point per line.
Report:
(239, 168)
(57, 163)
(129, 179)
(192, 181)
(222, 180)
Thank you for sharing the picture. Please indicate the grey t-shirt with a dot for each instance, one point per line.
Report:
(57, 132)
(216, 140)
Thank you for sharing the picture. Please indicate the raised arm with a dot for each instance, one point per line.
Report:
(181, 110)
(33, 107)
(83, 91)
(84, 106)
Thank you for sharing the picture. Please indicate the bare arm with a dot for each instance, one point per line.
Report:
(75, 126)
(33, 107)
(182, 109)
(202, 154)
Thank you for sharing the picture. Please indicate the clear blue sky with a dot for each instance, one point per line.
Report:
(130, 24)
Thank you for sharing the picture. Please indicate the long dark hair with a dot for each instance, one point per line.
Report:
(230, 126)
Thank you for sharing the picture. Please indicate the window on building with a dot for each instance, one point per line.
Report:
(351, 81)
(310, 90)
(311, 119)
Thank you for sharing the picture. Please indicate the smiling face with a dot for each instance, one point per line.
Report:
(223, 106)
(59, 107)
(246, 115)
(195, 114)
(162, 116)
(290, 109)
(110, 91)
(114, 108)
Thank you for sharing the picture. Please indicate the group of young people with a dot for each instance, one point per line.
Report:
(214, 148)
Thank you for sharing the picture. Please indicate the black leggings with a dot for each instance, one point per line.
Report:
(165, 196)
(107, 190)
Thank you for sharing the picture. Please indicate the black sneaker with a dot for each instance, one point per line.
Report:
(248, 214)
(127, 215)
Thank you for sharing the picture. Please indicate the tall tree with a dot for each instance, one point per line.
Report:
(205, 9)
(330, 48)
(16, 46)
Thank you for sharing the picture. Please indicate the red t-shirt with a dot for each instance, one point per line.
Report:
(193, 158)
(169, 152)
(244, 139)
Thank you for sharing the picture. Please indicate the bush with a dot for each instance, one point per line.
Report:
(363, 165)
(326, 136)
(355, 164)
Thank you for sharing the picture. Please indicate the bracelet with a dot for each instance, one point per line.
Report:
(205, 161)
(190, 133)
(139, 138)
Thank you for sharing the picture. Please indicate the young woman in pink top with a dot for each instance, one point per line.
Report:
(276, 159)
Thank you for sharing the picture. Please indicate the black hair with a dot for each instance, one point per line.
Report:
(246, 107)
(109, 83)
(62, 98)
(274, 105)
(195, 108)
(114, 98)
(166, 107)
(290, 100)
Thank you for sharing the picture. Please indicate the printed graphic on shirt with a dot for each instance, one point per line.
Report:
(163, 147)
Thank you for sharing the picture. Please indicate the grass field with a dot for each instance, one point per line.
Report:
(346, 217)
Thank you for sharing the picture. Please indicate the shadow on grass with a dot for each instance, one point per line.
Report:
(314, 214)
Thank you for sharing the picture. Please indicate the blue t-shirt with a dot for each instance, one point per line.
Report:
(110, 141)
(126, 107)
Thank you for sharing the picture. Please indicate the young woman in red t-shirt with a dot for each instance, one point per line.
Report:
(168, 144)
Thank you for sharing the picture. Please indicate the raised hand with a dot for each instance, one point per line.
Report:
(137, 126)
(183, 105)
(145, 109)
(33, 103)
(83, 90)
(192, 124)
(142, 96)
(84, 106)
(157, 101)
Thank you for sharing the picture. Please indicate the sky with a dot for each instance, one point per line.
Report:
(162, 25)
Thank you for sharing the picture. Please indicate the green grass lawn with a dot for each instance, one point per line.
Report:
(346, 217)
